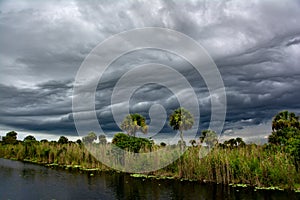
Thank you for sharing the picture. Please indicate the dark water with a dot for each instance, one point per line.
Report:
(27, 181)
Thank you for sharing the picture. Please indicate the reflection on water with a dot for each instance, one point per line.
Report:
(27, 181)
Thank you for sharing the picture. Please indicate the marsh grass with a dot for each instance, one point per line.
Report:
(251, 165)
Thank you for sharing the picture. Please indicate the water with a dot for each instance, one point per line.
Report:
(27, 181)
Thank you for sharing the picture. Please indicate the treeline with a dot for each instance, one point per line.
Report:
(11, 138)
(61, 152)
(233, 161)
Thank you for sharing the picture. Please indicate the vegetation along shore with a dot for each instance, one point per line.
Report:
(273, 165)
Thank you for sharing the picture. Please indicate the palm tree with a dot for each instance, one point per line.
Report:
(133, 123)
(181, 119)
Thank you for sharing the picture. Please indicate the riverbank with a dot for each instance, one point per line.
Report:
(95, 171)
(251, 165)
(21, 180)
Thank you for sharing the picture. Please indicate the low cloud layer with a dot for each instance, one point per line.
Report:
(255, 44)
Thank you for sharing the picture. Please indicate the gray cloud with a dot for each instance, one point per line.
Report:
(254, 44)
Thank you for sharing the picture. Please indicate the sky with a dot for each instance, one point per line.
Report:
(255, 45)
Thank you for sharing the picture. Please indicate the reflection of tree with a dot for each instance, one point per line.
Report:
(28, 173)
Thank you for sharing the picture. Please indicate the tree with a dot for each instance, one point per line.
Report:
(163, 144)
(130, 143)
(63, 140)
(10, 138)
(79, 141)
(285, 119)
(102, 139)
(29, 138)
(90, 138)
(133, 123)
(193, 142)
(44, 141)
(231, 143)
(285, 125)
(181, 143)
(286, 132)
(209, 137)
(182, 120)
(240, 142)
(294, 149)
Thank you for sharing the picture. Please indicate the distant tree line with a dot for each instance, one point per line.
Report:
(11, 138)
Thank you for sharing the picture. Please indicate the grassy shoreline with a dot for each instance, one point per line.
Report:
(94, 171)
(254, 166)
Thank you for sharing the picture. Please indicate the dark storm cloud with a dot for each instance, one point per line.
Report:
(254, 44)
(48, 98)
(44, 108)
(293, 42)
